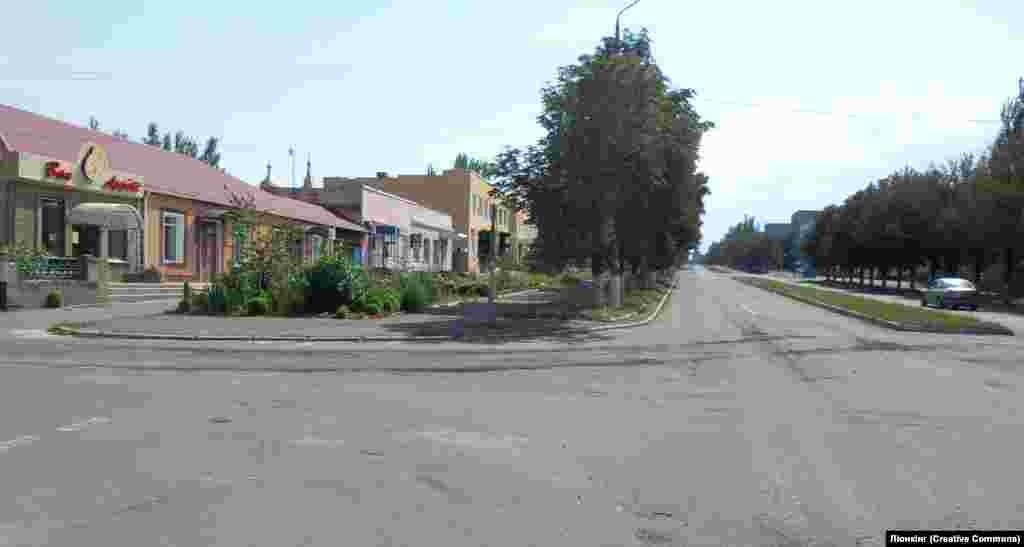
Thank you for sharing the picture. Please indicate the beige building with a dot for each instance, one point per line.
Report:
(466, 197)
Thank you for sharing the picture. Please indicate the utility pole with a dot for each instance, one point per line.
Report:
(291, 154)
(618, 39)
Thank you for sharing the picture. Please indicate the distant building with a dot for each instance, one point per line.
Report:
(792, 234)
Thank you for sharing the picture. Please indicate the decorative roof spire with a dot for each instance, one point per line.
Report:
(266, 181)
(308, 183)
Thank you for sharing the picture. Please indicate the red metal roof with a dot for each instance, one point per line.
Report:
(163, 172)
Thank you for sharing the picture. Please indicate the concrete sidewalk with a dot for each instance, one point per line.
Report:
(33, 319)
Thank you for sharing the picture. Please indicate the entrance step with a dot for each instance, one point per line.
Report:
(141, 292)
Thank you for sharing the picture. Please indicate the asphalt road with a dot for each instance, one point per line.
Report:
(739, 418)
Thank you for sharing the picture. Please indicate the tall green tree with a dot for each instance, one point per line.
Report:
(185, 145)
(485, 169)
(613, 181)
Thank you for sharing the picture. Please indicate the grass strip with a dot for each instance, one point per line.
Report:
(60, 327)
(877, 309)
(640, 302)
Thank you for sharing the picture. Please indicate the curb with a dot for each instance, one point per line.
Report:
(459, 302)
(995, 329)
(91, 333)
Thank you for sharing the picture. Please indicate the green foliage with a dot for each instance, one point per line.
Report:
(187, 290)
(342, 312)
(258, 305)
(380, 300)
(27, 258)
(417, 291)
(485, 169)
(184, 145)
(54, 299)
(201, 301)
(635, 195)
(218, 302)
(333, 281)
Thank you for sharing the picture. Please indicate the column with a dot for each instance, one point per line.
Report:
(104, 242)
(132, 242)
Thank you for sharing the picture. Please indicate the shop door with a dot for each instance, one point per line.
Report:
(207, 263)
(53, 226)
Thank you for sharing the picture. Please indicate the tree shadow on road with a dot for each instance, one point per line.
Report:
(516, 322)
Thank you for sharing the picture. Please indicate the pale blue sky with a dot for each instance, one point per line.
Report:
(812, 99)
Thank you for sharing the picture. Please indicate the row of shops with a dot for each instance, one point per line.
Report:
(402, 234)
(79, 193)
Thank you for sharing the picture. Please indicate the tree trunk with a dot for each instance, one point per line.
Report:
(1008, 271)
(913, 277)
(862, 277)
(899, 277)
(871, 274)
(979, 265)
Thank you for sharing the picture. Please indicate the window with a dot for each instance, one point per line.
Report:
(173, 230)
(317, 245)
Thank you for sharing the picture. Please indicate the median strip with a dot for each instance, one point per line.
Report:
(886, 314)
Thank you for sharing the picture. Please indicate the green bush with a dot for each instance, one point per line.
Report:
(217, 299)
(381, 300)
(201, 301)
(417, 290)
(327, 281)
(415, 297)
(54, 299)
(187, 297)
(342, 312)
(258, 305)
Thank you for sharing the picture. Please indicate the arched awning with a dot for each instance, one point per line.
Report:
(112, 216)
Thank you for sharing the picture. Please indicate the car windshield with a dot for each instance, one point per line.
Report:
(958, 284)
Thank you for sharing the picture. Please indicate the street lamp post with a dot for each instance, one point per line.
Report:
(618, 40)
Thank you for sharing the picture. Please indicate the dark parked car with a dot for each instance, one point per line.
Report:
(951, 292)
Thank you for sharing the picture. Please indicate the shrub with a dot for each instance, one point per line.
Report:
(342, 312)
(54, 299)
(417, 290)
(258, 305)
(327, 281)
(217, 299)
(374, 304)
(188, 292)
(201, 302)
(381, 300)
(415, 297)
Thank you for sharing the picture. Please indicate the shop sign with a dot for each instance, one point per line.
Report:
(54, 169)
(127, 185)
(93, 163)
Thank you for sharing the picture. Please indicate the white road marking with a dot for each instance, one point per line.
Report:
(749, 310)
(19, 441)
(30, 333)
(78, 426)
